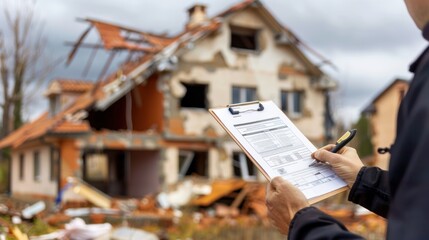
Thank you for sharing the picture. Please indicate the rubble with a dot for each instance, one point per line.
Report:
(78, 229)
(220, 189)
(34, 209)
(193, 208)
(126, 233)
(92, 194)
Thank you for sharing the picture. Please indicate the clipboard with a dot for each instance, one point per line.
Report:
(258, 108)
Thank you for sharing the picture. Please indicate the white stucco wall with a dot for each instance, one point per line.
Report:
(43, 186)
(220, 167)
(170, 165)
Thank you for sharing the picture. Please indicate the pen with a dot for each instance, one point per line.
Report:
(341, 142)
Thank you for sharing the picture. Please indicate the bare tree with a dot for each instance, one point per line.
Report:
(22, 63)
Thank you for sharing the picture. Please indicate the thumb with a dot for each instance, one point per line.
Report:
(326, 156)
(271, 187)
(276, 182)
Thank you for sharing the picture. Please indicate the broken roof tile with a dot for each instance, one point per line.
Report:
(113, 38)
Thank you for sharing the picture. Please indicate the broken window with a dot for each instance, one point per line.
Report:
(291, 102)
(243, 94)
(243, 166)
(244, 38)
(110, 170)
(193, 163)
(36, 166)
(195, 96)
(21, 166)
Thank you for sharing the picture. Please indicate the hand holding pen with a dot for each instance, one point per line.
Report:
(341, 142)
(345, 163)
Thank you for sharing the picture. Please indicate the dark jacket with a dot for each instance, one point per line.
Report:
(402, 194)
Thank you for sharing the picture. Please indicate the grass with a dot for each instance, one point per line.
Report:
(244, 228)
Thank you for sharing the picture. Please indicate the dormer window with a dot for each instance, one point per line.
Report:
(62, 92)
(54, 105)
(244, 38)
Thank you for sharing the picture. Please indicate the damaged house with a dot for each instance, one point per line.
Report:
(146, 125)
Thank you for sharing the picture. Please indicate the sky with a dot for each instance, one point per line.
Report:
(371, 43)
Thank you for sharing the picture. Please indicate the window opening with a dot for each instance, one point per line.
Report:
(54, 165)
(36, 166)
(243, 94)
(195, 97)
(21, 166)
(291, 102)
(243, 166)
(193, 163)
(244, 38)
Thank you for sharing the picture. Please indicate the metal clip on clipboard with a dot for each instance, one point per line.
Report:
(235, 112)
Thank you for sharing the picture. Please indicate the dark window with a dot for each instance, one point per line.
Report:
(21, 166)
(195, 96)
(242, 94)
(36, 166)
(193, 164)
(236, 94)
(284, 101)
(54, 105)
(243, 166)
(244, 38)
(297, 102)
(291, 102)
(54, 165)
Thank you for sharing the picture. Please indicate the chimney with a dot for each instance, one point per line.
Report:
(197, 16)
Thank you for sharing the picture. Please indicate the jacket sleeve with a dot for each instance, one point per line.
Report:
(371, 190)
(311, 223)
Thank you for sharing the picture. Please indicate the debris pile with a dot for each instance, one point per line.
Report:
(193, 208)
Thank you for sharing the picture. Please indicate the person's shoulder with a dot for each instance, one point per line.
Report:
(420, 60)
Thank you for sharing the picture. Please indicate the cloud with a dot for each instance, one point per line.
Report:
(348, 25)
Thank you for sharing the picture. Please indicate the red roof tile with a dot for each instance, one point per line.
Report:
(239, 6)
(70, 85)
(71, 127)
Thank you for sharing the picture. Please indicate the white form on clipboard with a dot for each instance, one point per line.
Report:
(278, 148)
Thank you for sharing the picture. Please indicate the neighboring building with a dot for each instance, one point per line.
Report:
(382, 113)
(147, 125)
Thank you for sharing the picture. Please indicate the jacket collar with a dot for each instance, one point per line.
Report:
(418, 61)
(425, 32)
